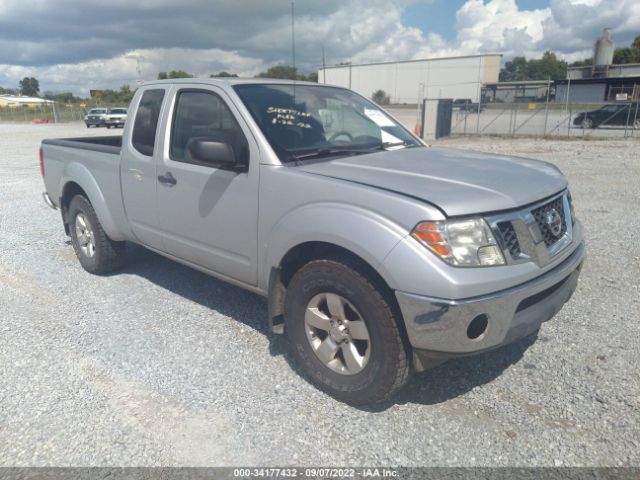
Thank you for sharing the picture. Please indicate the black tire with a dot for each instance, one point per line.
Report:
(588, 123)
(388, 367)
(108, 255)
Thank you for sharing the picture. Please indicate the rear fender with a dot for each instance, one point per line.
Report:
(79, 174)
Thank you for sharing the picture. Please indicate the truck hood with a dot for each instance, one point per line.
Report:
(458, 182)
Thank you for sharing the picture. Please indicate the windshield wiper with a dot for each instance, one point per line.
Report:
(385, 145)
(326, 152)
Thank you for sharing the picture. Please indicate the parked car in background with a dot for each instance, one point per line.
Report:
(116, 117)
(95, 117)
(623, 114)
(466, 105)
(378, 254)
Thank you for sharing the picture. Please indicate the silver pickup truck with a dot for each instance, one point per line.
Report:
(379, 255)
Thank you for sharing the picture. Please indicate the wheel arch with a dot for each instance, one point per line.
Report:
(77, 180)
(303, 253)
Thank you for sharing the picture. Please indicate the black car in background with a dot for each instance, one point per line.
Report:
(466, 105)
(625, 114)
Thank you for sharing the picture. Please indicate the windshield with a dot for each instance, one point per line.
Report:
(304, 121)
(117, 110)
(97, 110)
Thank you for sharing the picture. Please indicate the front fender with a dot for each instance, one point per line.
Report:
(78, 173)
(361, 231)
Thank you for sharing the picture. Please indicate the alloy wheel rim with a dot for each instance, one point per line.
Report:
(337, 333)
(84, 234)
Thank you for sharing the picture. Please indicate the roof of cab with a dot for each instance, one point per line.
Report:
(226, 81)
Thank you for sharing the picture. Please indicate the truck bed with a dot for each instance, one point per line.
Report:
(105, 144)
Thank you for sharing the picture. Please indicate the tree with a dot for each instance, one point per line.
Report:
(29, 86)
(587, 62)
(313, 77)
(120, 97)
(630, 54)
(7, 91)
(223, 75)
(179, 74)
(520, 69)
(66, 97)
(380, 97)
(547, 67)
(174, 74)
(283, 72)
(514, 70)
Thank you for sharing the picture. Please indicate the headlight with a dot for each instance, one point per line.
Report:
(463, 243)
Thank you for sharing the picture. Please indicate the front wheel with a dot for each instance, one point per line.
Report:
(343, 333)
(97, 253)
(587, 123)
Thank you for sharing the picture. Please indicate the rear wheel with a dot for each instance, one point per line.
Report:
(343, 333)
(97, 253)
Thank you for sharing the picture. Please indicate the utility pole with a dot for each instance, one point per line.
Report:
(546, 107)
(324, 68)
(293, 38)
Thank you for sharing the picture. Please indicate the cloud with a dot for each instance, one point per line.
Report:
(499, 26)
(77, 45)
(567, 27)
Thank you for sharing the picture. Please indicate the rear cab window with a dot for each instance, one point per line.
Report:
(146, 122)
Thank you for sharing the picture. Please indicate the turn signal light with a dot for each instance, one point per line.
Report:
(432, 235)
(460, 242)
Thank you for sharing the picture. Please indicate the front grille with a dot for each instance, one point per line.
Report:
(510, 238)
(541, 215)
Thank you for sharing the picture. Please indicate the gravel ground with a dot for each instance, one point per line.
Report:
(161, 365)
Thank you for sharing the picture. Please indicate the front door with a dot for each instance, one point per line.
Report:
(209, 214)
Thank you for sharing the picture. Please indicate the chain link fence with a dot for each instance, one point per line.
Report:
(613, 119)
(536, 109)
(47, 113)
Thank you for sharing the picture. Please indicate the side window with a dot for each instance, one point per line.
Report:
(205, 116)
(144, 129)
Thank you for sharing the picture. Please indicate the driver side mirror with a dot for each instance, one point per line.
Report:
(212, 153)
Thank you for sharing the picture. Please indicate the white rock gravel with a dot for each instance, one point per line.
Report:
(161, 365)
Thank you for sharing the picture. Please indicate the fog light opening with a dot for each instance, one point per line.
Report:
(477, 327)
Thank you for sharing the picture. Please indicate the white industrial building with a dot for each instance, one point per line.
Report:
(13, 101)
(411, 81)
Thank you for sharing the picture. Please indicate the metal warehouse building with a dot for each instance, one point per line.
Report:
(411, 81)
(608, 84)
(603, 81)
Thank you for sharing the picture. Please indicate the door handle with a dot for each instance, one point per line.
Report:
(167, 179)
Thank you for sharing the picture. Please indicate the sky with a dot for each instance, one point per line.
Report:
(78, 45)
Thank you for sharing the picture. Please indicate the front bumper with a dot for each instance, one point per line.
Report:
(441, 328)
(98, 122)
